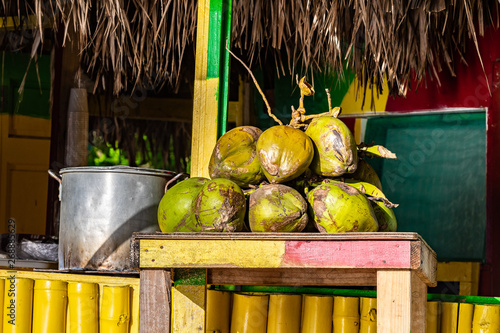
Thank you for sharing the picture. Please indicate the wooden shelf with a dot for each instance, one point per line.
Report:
(401, 265)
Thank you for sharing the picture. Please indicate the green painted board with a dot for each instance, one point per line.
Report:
(438, 180)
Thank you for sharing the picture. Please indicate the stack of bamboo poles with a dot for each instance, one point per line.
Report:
(294, 313)
(39, 305)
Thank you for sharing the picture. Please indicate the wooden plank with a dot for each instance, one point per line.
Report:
(274, 254)
(401, 302)
(293, 277)
(189, 301)
(424, 262)
(154, 308)
(353, 236)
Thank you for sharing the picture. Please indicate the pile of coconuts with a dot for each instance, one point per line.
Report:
(308, 175)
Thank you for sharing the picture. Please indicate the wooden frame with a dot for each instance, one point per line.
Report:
(401, 265)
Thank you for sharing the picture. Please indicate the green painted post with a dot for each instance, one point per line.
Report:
(218, 56)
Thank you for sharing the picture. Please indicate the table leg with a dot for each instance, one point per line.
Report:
(189, 301)
(401, 302)
(154, 301)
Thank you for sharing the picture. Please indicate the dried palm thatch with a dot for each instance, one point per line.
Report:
(144, 41)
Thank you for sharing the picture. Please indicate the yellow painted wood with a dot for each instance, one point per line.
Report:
(368, 315)
(83, 309)
(188, 309)
(218, 311)
(18, 305)
(465, 312)
(352, 103)
(99, 280)
(50, 300)
(284, 313)
(433, 317)
(317, 314)
(249, 313)
(467, 273)
(24, 159)
(345, 314)
(115, 309)
(183, 253)
(486, 319)
(449, 317)
(205, 104)
(2, 285)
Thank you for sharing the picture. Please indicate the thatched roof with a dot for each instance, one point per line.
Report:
(144, 41)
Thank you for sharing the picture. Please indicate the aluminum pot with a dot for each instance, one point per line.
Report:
(100, 209)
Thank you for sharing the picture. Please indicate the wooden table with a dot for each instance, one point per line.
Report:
(401, 265)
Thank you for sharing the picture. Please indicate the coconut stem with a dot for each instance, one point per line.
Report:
(258, 87)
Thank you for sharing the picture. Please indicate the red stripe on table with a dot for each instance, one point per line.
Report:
(362, 254)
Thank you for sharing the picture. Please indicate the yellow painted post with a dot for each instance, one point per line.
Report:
(345, 314)
(368, 315)
(284, 313)
(218, 311)
(433, 316)
(465, 312)
(249, 313)
(18, 304)
(115, 309)
(50, 300)
(189, 300)
(449, 317)
(486, 319)
(83, 299)
(317, 314)
(2, 285)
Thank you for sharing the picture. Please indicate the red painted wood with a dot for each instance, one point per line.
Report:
(467, 89)
(490, 272)
(340, 254)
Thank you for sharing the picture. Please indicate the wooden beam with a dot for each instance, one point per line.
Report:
(401, 302)
(292, 277)
(154, 303)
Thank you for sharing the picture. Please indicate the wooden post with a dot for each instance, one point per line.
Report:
(189, 301)
(154, 303)
(401, 302)
(211, 81)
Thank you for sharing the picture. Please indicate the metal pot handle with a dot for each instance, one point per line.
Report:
(179, 175)
(54, 175)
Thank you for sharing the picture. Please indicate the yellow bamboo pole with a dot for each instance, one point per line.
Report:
(83, 301)
(284, 314)
(18, 301)
(2, 285)
(249, 313)
(465, 312)
(368, 315)
(50, 300)
(449, 317)
(218, 311)
(115, 309)
(486, 319)
(317, 314)
(433, 316)
(345, 314)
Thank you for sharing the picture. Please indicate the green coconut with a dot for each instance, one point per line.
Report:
(335, 150)
(385, 217)
(235, 158)
(175, 211)
(220, 206)
(284, 153)
(366, 173)
(338, 207)
(277, 208)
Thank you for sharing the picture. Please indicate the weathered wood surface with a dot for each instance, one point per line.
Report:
(265, 251)
(155, 300)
